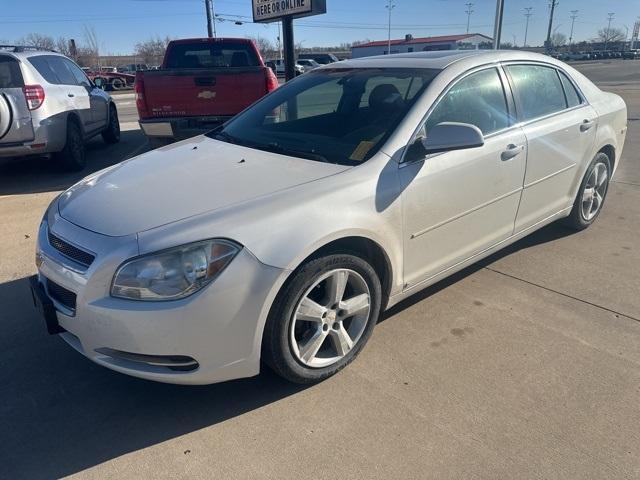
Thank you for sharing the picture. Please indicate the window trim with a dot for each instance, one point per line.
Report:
(508, 97)
(522, 122)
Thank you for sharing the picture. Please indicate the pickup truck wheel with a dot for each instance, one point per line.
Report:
(117, 84)
(322, 318)
(111, 134)
(72, 157)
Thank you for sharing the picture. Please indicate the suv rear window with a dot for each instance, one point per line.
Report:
(10, 74)
(211, 55)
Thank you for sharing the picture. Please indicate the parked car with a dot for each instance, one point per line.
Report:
(321, 58)
(49, 106)
(280, 69)
(576, 56)
(203, 82)
(307, 64)
(282, 236)
(631, 54)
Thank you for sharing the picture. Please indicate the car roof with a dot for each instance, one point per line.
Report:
(28, 52)
(440, 59)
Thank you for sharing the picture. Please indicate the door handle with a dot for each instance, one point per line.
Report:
(70, 95)
(586, 125)
(511, 151)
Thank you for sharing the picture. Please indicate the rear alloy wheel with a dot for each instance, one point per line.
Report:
(322, 318)
(72, 157)
(592, 193)
(111, 134)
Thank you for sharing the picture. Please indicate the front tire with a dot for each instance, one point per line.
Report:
(322, 318)
(73, 155)
(591, 194)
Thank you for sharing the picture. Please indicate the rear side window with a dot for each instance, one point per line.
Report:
(573, 97)
(44, 68)
(212, 55)
(538, 90)
(10, 74)
(59, 66)
(477, 99)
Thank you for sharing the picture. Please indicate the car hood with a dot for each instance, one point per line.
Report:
(179, 181)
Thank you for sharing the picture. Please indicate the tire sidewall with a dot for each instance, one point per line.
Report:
(286, 303)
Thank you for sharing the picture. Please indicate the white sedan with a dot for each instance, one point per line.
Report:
(280, 238)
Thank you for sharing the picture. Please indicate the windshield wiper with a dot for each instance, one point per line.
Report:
(225, 137)
(277, 148)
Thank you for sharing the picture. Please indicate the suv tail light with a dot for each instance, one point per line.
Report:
(34, 94)
(138, 88)
(272, 80)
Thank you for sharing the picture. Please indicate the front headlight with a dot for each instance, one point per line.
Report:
(174, 273)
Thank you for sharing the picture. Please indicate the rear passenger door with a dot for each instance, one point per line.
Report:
(560, 127)
(15, 117)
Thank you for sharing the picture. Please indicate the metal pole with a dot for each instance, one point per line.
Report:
(497, 26)
(207, 6)
(608, 32)
(574, 15)
(213, 16)
(289, 53)
(526, 28)
(390, 6)
(553, 4)
(469, 12)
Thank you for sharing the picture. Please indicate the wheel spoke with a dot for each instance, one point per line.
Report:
(310, 311)
(594, 175)
(354, 305)
(598, 201)
(309, 350)
(341, 340)
(336, 284)
(602, 180)
(588, 194)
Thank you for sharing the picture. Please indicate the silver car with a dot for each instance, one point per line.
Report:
(280, 238)
(49, 106)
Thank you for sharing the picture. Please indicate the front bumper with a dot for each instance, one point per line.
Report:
(211, 336)
(179, 128)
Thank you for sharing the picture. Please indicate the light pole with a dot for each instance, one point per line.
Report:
(210, 22)
(608, 32)
(468, 11)
(390, 6)
(552, 4)
(574, 15)
(497, 26)
(526, 28)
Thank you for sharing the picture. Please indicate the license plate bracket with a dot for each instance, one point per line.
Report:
(45, 306)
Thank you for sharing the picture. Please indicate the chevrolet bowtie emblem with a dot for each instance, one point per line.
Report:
(207, 94)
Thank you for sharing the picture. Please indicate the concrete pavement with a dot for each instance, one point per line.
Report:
(524, 366)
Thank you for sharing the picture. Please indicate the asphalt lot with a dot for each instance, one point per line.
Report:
(525, 366)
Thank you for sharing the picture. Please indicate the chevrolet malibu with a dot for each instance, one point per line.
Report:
(280, 237)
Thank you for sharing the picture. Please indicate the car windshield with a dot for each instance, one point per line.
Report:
(333, 115)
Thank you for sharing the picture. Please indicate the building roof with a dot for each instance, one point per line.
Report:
(438, 39)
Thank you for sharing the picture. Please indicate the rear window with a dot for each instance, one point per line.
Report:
(212, 55)
(10, 75)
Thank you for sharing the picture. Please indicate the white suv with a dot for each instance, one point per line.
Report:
(49, 106)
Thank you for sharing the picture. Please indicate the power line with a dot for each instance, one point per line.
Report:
(469, 11)
(526, 28)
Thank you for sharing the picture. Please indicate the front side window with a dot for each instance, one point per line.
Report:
(478, 99)
(78, 74)
(538, 90)
(337, 115)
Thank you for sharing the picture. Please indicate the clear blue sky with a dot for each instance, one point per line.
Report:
(121, 23)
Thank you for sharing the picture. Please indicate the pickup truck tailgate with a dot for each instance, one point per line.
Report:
(194, 92)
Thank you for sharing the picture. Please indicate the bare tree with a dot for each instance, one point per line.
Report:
(151, 51)
(38, 40)
(62, 46)
(608, 35)
(558, 39)
(91, 51)
(265, 46)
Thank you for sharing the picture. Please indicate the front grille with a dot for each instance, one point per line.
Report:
(71, 251)
(61, 295)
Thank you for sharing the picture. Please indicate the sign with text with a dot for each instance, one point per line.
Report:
(274, 10)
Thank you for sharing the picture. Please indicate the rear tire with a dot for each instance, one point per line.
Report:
(313, 331)
(591, 194)
(111, 134)
(73, 155)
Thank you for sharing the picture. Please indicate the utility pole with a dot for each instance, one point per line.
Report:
(514, 40)
(497, 26)
(390, 6)
(207, 6)
(526, 28)
(574, 15)
(468, 11)
(552, 4)
(608, 32)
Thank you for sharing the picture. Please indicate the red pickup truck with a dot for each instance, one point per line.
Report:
(202, 83)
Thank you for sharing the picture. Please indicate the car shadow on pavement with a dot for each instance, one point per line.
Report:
(61, 414)
(546, 234)
(39, 174)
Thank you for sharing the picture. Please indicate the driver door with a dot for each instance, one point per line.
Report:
(457, 204)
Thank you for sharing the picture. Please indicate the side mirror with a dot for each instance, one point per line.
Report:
(447, 136)
(99, 82)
